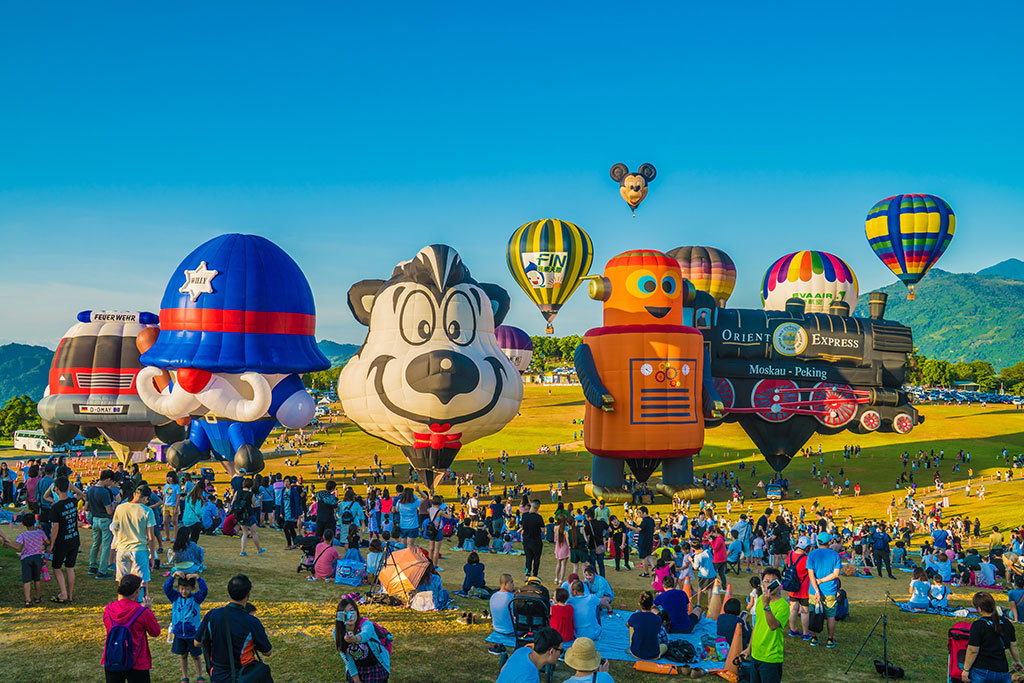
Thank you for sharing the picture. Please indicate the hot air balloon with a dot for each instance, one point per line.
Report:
(633, 186)
(909, 233)
(709, 269)
(549, 258)
(817, 277)
(515, 344)
(430, 376)
(92, 384)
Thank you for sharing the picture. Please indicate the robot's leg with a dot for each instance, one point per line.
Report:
(607, 477)
(248, 458)
(185, 454)
(677, 478)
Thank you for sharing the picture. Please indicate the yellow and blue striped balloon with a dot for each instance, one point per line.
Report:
(549, 258)
(908, 233)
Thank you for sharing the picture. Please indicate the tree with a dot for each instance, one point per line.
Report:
(322, 380)
(19, 413)
(935, 372)
(567, 346)
(913, 367)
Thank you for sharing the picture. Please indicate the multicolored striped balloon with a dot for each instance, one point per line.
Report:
(549, 258)
(817, 277)
(709, 269)
(908, 233)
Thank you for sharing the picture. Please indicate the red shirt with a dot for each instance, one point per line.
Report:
(719, 553)
(801, 572)
(561, 621)
(120, 612)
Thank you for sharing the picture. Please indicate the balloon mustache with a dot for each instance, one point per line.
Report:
(218, 396)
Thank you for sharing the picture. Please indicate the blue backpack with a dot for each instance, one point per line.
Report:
(117, 653)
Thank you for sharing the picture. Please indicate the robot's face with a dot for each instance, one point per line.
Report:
(645, 289)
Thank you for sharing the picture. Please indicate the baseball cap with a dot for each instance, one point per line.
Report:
(803, 543)
(824, 538)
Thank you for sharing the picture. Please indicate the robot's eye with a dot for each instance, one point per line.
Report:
(647, 284)
(642, 283)
(418, 318)
(669, 285)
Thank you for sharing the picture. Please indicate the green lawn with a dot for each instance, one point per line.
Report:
(435, 648)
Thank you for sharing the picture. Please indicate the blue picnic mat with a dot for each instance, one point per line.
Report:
(905, 606)
(614, 640)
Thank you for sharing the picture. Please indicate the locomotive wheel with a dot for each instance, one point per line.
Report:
(870, 420)
(727, 393)
(770, 396)
(902, 423)
(837, 403)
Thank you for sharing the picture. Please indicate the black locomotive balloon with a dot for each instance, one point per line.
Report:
(784, 375)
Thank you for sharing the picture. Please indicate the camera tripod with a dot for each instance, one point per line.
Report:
(884, 620)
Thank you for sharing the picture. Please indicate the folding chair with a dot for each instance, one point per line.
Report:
(528, 615)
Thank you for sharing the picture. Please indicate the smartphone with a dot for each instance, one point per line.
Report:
(773, 585)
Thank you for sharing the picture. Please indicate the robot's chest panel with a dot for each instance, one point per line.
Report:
(662, 390)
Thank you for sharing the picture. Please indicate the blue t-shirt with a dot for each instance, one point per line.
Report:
(824, 561)
(171, 493)
(501, 618)
(919, 593)
(519, 668)
(677, 605)
(585, 620)
(643, 643)
(42, 486)
(939, 537)
(1016, 596)
(408, 515)
(939, 594)
(474, 576)
(735, 548)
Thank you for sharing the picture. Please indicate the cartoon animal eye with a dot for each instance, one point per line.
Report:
(669, 285)
(460, 319)
(418, 318)
(642, 283)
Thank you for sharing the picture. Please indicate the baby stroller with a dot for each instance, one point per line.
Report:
(958, 650)
(308, 546)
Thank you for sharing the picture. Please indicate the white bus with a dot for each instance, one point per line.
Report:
(35, 440)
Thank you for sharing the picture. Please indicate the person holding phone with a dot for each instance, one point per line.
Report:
(586, 661)
(771, 612)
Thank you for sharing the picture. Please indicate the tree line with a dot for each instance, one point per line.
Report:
(942, 373)
(18, 413)
(551, 352)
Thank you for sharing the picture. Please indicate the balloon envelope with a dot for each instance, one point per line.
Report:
(710, 270)
(817, 277)
(515, 344)
(548, 258)
(909, 233)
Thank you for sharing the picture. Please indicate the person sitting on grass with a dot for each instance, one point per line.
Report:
(186, 593)
(1016, 598)
(986, 575)
(481, 538)
(474, 575)
(561, 615)
(938, 593)
(899, 556)
(676, 603)
(586, 611)
(644, 625)
(31, 544)
(501, 618)
(587, 662)
(597, 585)
(664, 567)
(919, 587)
(325, 557)
(374, 560)
(524, 665)
(727, 620)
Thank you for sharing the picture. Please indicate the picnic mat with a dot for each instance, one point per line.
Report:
(905, 607)
(614, 640)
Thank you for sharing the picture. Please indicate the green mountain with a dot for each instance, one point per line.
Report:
(23, 370)
(1011, 268)
(962, 316)
(337, 353)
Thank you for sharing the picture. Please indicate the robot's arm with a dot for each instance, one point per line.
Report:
(713, 405)
(596, 393)
(291, 404)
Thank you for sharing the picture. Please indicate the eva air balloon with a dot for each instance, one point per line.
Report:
(548, 259)
(909, 233)
(817, 277)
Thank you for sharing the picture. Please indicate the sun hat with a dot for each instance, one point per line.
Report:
(583, 655)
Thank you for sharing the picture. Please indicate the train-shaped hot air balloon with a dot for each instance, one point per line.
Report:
(785, 375)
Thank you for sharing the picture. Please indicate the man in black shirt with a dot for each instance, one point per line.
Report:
(246, 632)
(596, 530)
(101, 500)
(326, 506)
(533, 537)
(64, 534)
(645, 542)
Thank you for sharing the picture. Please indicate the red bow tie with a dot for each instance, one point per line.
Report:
(437, 439)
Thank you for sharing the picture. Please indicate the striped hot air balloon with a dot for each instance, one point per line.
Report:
(709, 269)
(515, 344)
(817, 277)
(908, 233)
(549, 258)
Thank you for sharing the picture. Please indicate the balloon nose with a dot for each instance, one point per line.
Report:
(445, 374)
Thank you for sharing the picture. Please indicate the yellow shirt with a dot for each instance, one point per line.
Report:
(995, 540)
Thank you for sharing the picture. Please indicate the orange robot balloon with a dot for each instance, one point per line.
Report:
(642, 374)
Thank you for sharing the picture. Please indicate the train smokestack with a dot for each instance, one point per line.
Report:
(795, 307)
(876, 305)
(840, 308)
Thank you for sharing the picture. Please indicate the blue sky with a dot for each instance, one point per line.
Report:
(352, 136)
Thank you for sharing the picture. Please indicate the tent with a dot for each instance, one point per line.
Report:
(403, 571)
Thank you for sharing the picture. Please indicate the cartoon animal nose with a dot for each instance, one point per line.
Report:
(445, 374)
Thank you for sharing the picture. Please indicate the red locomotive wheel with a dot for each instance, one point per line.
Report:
(771, 396)
(902, 423)
(837, 405)
(726, 391)
(870, 420)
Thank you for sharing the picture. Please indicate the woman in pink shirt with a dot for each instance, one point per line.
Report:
(719, 552)
(325, 557)
(128, 610)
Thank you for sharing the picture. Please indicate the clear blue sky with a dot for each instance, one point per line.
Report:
(352, 136)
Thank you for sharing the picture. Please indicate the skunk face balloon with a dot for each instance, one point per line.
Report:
(633, 186)
(430, 375)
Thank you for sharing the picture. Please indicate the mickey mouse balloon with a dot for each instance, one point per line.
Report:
(633, 186)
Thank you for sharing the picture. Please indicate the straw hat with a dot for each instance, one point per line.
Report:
(583, 655)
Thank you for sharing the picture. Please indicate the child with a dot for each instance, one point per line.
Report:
(938, 593)
(185, 601)
(757, 548)
(374, 560)
(842, 602)
(188, 556)
(1016, 597)
(562, 615)
(30, 543)
(755, 594)
(474, 574)
(727, 621)
(735, 552)
(506, 547)
(666, 566)
(919, 588)
(354, 542)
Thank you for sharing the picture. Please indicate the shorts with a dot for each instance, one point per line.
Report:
(43, 516)
(185, 646)
(704, 584)
(803, 602)
(33, 507)
(133, 562)
(410, 533)
(645, 550)
(31, 568)
(577, 556)
(171, 511)
(268, 506)
(829, 602)
(65, 554)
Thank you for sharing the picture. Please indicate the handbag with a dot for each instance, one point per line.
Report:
(255, 671)
(816, 621)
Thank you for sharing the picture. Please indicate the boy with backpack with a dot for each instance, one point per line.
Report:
(30, 543)
(126, 656)
(186, 597)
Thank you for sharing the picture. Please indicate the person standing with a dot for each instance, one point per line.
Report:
(134, 526)
(799, 616)
(65, 539)
(228, 632)
(823, 568)
(991, 635)
(880, 551)
(533, 537)
(765, 649)
(101, 499)
(326, 506)
(141, 623)
(171, 494)
(597, 530)
(645, 542)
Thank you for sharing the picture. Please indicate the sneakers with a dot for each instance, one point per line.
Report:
(262, 550)
(102, 575)
(814, 641)
(243, 554)
(830, 644)
(807, 636)
(496, 650)
(793, 634)
(92, 571)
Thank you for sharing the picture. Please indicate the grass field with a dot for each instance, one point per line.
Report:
(34, 643)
